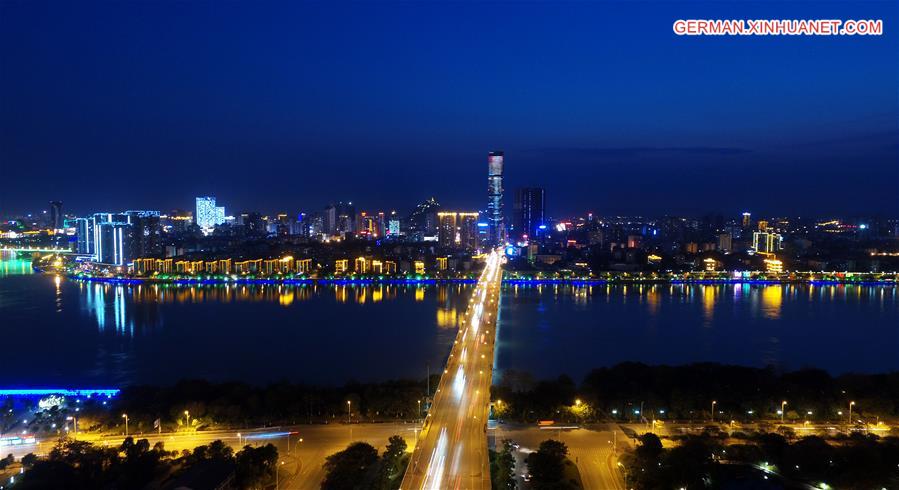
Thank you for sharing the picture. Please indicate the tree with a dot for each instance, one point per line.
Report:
(350, 469)
(650, 448)
(502, 468)
(393, 464)
(28, 460)
(256, 466)
(547, 465)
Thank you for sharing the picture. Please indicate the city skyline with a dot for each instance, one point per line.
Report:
(600, 104)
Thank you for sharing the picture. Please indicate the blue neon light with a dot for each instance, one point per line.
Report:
(268, 435)
(58, 391)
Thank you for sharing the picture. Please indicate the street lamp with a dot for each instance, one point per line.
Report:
(850, 412)
(125, 416)
(419, 408)
(348, 411)
(783, 405)
(239, 438)
(278, 476)
(187, 414)
(714, 402)
(623, 468)
(74, 424)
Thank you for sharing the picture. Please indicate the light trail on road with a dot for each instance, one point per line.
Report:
(451, 452)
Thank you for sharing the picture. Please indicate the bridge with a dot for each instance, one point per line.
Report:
(451, 451)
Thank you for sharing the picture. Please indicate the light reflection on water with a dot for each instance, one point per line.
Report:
(105, 333)
(572, 328)
(109, 304)
(157, 333)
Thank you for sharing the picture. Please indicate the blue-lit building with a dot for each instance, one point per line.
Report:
(208, 214)
(530, 212)
(84, 232)
(497, 231)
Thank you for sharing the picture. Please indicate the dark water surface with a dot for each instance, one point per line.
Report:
(62, 332)
(564, 329)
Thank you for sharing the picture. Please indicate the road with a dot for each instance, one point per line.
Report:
(452, 448)
(594, 451)
(302, 468)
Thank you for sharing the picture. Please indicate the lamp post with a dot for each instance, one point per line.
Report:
(239, 439)
(349, 412)
(783, 410)
(74, 424)
(187, 414)
(278, 475)
(419, 408)
(125, 416)
(714, 402)
(850, 412)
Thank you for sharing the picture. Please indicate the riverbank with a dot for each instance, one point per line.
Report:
(813, 278)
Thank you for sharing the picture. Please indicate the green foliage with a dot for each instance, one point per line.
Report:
(353, 468)
(359, 467)
(502, 468)
(857, 462)
(547, 466)
(393, 464)
(255, 466)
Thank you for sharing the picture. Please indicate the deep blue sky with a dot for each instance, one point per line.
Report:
(272, 106)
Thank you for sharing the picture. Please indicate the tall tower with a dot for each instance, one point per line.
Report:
(497, 231)
(56, 215)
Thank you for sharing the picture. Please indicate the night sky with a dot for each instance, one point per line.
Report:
(144, 105)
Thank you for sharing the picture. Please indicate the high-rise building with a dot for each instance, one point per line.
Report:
(529, 209)
(766, 243)
(446, 229)
(114, 241)
(497, 232)
(56, 215)
(340, 218)
(146, 239)
(209, 215)
(84, 233)
(725, 242)
(457, 230)
(468, 231)
(747, 220)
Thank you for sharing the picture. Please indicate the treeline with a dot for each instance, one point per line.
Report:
(686, 392)
(77, 465)
(856, 462)
(360, 466)
(238, 404)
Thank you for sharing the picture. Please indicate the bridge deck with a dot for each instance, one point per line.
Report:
(451, 452)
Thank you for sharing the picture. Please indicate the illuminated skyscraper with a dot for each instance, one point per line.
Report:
(497, 232)
(446, 229)
(747, 220)
(208, 214)
(530, 204)
(84, 231)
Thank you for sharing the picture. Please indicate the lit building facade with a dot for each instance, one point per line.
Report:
(457, 230)
(497, 231)
(766, 243)
(209, 215)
